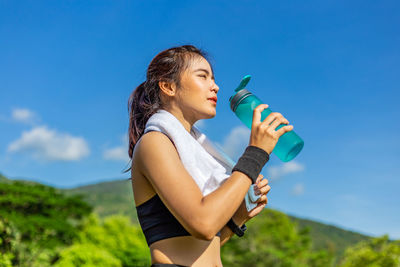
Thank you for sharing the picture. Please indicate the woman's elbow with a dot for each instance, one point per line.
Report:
(207, 236)
(203, 236)
(205, 231)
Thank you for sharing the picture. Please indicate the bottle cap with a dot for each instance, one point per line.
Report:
(238, 97)
(243, 83)
(241, 93)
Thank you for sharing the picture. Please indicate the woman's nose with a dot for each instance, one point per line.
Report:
(215, 87)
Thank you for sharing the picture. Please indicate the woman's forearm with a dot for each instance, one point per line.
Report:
(219, 205)
(226, 232)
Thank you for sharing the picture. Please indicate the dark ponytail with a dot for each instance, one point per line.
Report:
(145, 100)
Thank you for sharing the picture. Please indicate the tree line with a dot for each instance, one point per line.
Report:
(41, 226)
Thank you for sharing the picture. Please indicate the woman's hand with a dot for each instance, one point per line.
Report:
(262, 188)
(263, 133)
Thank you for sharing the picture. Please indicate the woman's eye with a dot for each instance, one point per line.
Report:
(203, 76)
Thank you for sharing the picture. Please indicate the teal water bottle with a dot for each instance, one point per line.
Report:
(244, 102)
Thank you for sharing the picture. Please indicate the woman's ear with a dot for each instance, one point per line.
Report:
(167, 88)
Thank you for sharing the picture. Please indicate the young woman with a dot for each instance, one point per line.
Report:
(188, 228)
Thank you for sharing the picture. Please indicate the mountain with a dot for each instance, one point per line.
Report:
(2, 178)
(329, 237)
(107, 198)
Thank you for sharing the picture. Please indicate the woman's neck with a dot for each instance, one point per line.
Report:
(184, 120)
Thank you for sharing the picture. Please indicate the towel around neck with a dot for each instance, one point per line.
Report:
(208, 165)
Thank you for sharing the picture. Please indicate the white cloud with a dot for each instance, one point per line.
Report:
(50, 145)
(298, 189)
(23, 115)
(118, 153)
(236, 142)
(276, 172)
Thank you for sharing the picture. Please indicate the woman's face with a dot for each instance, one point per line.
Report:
(197, 87)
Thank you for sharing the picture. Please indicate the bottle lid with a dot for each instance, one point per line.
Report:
(238, 97)
(241, 93)
(245, 80)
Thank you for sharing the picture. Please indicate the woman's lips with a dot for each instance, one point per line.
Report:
(213, 99)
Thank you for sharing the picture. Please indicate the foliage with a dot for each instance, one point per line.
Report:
(373, 253)
(7, 242)
(328, 237)
(116, 197)
(44, 220)
(87, 255)
(123, 241)
(39, 210)
(41, 226)
(272, 239)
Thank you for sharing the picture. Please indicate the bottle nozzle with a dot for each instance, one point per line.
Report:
(243, 83)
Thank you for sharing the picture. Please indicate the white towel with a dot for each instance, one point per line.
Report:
(208, 165)
(205, 162)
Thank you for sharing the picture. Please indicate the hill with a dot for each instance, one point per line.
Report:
(3, 178)
(107, 198)
(329, 237)
(116, 197)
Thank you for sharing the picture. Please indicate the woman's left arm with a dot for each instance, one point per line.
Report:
(241, 215)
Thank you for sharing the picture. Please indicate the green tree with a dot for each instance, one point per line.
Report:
(45, 220)
(87, 255)
(116, 235)
(8, 237)
(376, 252)
(272, 239)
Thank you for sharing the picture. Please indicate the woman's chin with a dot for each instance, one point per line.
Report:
(207, 114)
(212, 115)
(212, 112)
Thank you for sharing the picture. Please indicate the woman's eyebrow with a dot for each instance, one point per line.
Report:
(206, 71)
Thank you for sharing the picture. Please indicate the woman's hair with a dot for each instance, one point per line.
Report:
(145, 100)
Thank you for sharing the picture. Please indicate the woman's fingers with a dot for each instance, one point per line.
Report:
(260, 188)
(260, 184)
(257, 113)
(262, 199)
(263, 190)
(284, 129)
(272, 117)
(278, 121)
(259, 178)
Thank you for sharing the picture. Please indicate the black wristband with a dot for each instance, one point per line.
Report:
(251, 162)
(239, 231)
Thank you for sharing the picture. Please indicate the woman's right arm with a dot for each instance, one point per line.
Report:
(201, 216)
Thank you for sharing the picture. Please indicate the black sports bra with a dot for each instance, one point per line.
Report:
(157, 222)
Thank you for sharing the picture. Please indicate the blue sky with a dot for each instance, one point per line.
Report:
(67, 69)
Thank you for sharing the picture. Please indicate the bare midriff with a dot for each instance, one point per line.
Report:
(187, 251)
(182, 250)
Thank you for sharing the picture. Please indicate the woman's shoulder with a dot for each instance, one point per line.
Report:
(151, 146)
(153, 140)
(156, 156)
(143, 190)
